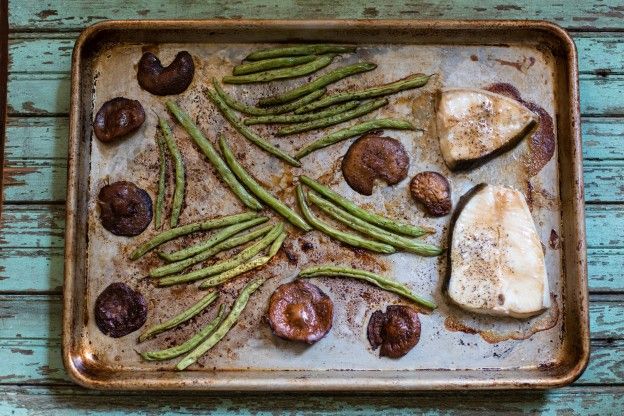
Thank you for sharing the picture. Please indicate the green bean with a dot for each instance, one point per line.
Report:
(178, 164)
(298, 51)
(187, 346)
(281, 73)
(225, 326)
(185, 258)
(225, 245)
(281, 208)
(210, 224)
(213, 157)
(320, 82)
(162, 178)
(256, 111)
(258, 66)
(347, 238)
(356, 130)
(246, 131)
(183, 316)
(224, 265)
(412, 81)
(387, 223)
(245, 267)
(299, 118)
(336, 119)
(373, 231)
(375, 279)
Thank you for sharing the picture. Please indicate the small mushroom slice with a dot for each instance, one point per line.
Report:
(397, 330)
(118, 118)
(170, 80)
(125, 209)
(433, 191)
(119, 310)
(372, 157)
(476, 125)
(300, 311)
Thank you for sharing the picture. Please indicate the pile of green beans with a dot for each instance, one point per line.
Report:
(298, 50)
(210, 224)
(375, 279)
(356, 130)
(179, 265)
(410, 82)
(225, 326)
(245, 267)
(190, 344)
(347, 238)
(224, 265)
(272, 63)
(359, 111)
(301, 118)
(213, 156)
(179, 318)
(162, 179)
(178, 165)
(256, 111)
(317, 83)
(281, 73)
(259, 191)
(387, 223)
(373, 231)
(246, 131)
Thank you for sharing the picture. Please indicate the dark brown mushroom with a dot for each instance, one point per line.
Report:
(374, 157)
(397, 330)
(433, 191)
(125, 209)
(300, 311)
(159, 80)
(118, 118)
(119, 310)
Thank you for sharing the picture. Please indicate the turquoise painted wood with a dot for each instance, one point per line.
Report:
(32, 380)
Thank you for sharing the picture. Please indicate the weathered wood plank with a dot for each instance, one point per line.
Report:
(605, 270)
(600, 53)
(605, 364)
(40, 55)
(75, 14)
(605, 226)
(35, 180)
(32, 226)
(604, 182)
(603, 138)
(31, 269)
(36, 138)
(45, 94)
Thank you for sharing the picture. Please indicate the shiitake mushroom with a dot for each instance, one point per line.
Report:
(169, 80)
(118, 118)
(125, 209)
(397, 330)
(433, 191)
(300, 311)
(371, 157)
(119, 310)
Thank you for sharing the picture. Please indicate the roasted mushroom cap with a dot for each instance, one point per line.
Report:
(119, 310)
(397, 330)
(118, 118)
(300, 311)
(433, 191)
(374, 157)
(159, 80)
(125, 209)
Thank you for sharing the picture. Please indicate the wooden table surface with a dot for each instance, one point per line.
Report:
(32, 379)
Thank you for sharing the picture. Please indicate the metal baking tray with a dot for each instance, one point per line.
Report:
(538, 58)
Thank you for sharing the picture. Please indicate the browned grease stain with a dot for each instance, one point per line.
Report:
(553, 241)
(474, 58)
(523, 65)
(542, 142)
(524, 328)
